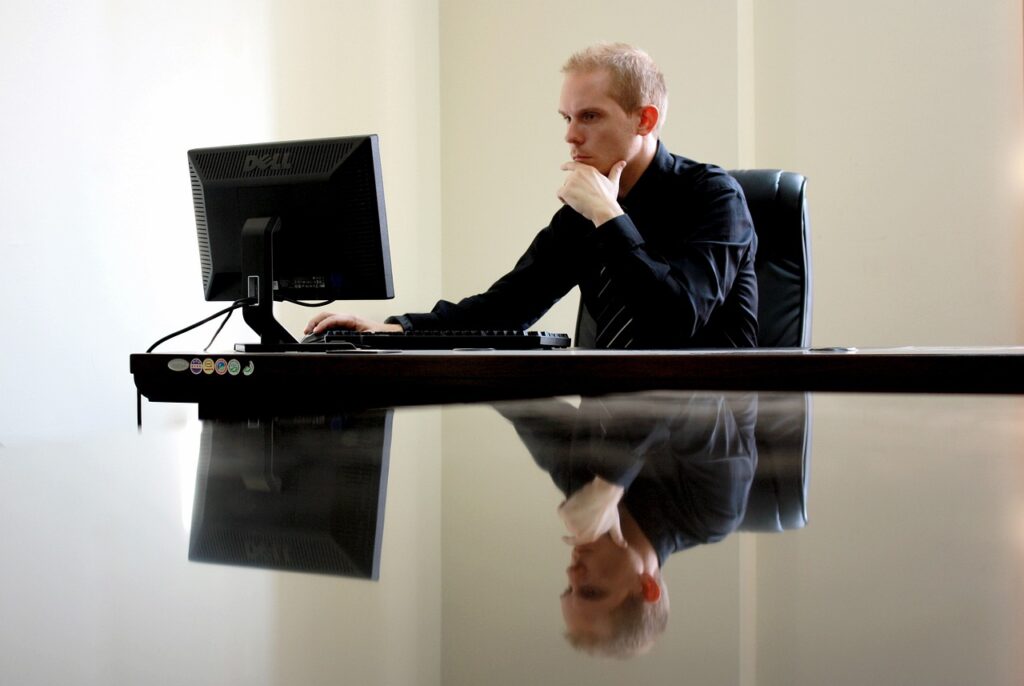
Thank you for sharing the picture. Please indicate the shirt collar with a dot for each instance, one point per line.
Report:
(661, 163)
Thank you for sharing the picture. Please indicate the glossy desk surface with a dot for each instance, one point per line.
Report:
(860, 538)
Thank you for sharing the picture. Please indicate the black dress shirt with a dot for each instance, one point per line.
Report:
(686, 464)
(682, 257)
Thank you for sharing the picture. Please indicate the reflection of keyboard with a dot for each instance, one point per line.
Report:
(450, 340)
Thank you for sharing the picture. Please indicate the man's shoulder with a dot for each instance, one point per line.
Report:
(698, 175)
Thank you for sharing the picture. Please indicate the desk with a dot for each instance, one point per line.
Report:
(439, 377)
(901, 565)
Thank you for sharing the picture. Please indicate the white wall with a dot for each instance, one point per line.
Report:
(371, 67)
(101, 100)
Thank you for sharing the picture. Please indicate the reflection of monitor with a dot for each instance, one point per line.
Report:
(303, 494)
(302, 220)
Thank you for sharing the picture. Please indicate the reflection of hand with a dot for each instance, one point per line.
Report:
(592, 512)
(323, 321)
(590, 192)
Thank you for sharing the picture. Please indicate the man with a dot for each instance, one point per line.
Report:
(644, 478)
(662, 247)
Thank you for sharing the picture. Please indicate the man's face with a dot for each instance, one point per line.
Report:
(599, 132)
(601, 576)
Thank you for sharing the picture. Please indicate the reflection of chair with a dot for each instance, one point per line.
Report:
(783, 264)
(778, 207)
(778, 493)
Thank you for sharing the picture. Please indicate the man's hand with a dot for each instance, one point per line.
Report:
(592, 512)
(327, 320)
(590, 192)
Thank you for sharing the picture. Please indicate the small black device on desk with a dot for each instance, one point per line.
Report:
(341, 339)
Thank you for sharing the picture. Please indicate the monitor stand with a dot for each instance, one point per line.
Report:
(258, 268)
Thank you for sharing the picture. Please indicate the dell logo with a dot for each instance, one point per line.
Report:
(276, 161)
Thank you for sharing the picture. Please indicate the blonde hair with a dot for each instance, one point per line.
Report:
(636, 79)
(636, 624)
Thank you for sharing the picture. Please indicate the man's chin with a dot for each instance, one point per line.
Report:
(590, 162)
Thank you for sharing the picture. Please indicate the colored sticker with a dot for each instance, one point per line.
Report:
(196, 366)
(221, 366)
(249, 369)
(177, 364)
(234, 367)
(208, 366)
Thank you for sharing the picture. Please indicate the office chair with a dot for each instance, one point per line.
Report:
(778, 207)
(777, 500)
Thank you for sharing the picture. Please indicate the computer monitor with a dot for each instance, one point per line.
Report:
(296, 493)
(298, 220)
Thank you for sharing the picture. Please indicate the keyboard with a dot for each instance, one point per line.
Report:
(448, 340)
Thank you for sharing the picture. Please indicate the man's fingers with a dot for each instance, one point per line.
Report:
(328, 320)
(616, 172)
(616, 533)
(316, 319)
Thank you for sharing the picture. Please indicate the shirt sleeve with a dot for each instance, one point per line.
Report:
(541, 277)
(574, 445)
(695, 486)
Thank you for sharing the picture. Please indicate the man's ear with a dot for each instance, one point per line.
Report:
(648, 122)
(649, 588)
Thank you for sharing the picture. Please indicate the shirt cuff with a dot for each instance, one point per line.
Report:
(619, 234)
(401, 320)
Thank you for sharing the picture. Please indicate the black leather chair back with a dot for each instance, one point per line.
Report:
(778, 206)
(778, 492)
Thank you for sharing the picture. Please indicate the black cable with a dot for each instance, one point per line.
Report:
(227, 310)
(234, 306)
(219, 329)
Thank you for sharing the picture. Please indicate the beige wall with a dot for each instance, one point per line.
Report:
(906, 119)
(354, 67)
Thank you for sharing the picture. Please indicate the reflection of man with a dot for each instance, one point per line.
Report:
(642, 480)
(615, 601)
(662, 247)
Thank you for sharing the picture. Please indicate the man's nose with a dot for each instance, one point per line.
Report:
(576, 573)
(572, 135)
